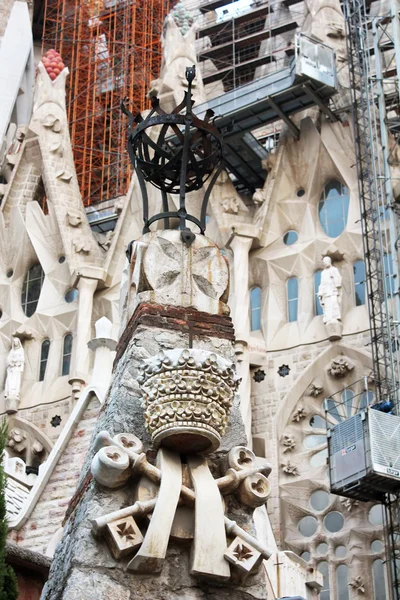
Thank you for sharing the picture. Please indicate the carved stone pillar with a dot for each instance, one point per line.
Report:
(170, 444)
(239, 299)
(86, 288)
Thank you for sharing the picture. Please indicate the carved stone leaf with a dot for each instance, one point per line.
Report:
(204, 285)
(203, 253)
(169, 249)
(167, 278)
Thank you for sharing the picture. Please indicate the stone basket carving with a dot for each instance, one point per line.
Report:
(187, 397)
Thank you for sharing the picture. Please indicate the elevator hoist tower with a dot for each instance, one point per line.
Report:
(364, 448)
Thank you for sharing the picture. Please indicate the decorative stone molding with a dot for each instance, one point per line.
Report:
(74, 217)
(299, 414)
(244, 556)
(187, 396)
(246, 476)
(316, 388)
(167, 272)
(289, 469)
(340, 366)
(230, 205)
(258, 197)
(289, 442)
(349, 503)
(358, 584)
(82, 244)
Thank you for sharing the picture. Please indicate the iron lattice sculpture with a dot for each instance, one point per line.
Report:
(181, 159)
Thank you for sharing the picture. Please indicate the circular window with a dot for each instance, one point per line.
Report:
(61, 259)
(290, 237)
(300, 192)
(319, 458)
(334, 521)
(322, 548)
(307, 526)
(319, 500)
(376, 546)
(71, 295)
(317, 422)
(341, 551)
(306, 556)
(10, 273)
(314, 440)
(375, 515)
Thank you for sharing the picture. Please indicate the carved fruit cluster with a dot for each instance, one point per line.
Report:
(187, 390)
(53, 63)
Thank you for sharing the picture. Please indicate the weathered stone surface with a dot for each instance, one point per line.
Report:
(82, 560)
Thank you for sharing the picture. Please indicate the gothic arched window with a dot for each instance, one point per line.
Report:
(333, 208)
(67, 352)
(44, 355)
(317, 304)
(323, 568)
(31, 289)
(378, 572)
(292, 286)
(342, 585)
(359, 282)
(255, 309)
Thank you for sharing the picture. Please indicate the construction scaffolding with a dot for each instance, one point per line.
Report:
(112, 49)
(373, 44)
(241, 40)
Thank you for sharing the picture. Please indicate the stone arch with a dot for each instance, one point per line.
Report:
(311, 373)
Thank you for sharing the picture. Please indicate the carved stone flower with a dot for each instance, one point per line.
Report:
(289, 442)
(316, 388)
(340, 366)
(299, 414)
(358, 584)
(289, 469)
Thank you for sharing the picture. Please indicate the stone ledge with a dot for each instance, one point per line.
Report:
(176, 319)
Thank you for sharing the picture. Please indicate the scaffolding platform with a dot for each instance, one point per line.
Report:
(304, 83)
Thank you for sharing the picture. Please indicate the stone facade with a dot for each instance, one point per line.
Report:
(283, 362)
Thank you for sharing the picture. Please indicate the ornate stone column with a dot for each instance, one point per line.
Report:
(240, 306)
(170, 443)
(86, 288)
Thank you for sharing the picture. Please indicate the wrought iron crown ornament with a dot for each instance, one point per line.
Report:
(177, 157)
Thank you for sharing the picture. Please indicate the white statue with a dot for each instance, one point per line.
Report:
(329, 291)
(15, 369)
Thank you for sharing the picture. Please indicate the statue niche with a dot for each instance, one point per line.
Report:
(15, 369)
(330, 296)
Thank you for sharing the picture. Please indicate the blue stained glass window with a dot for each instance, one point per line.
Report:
(359, 282)
(317, 304)
(67, 352)
(378, 571)
(255, 309)
(323, 568)
(342, 585)
(31, 289)
(292, 298)
(333, 208)
(44, 355)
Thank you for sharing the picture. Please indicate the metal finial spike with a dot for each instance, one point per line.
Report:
(190, 73)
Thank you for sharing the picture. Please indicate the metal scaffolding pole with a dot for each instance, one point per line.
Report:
(367, 57)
